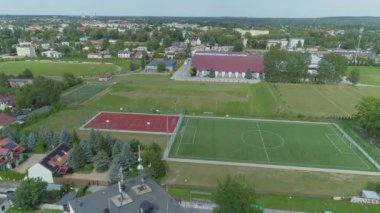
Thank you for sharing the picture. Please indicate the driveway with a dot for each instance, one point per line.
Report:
(33, 159)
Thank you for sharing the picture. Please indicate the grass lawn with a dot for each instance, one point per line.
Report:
(55, 68)
(266, 142)
(84, 92)
(314, 205)
(368, 74)
(322, 100)
(294, 204)
(268, 181)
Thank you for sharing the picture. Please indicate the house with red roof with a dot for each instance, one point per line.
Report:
(11, 154)
(54, 163)
(228, 65)
(5, 120)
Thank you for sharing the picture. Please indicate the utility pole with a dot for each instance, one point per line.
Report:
(359, 41)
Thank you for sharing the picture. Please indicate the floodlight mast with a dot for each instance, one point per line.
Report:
(140, 167)
(359, 41)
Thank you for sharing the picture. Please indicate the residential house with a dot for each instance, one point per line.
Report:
(295, 43)
(55, 163)
(222, 48)
(141, 49)
(138, 55)
(124, 54)
(140, 194)
(282, 43)
(105, 76)
(65, 43)
(18, 83)
(52, 54)
(314, 65)
(5, 120)
(45, 46)
(4, 204)
(6, 102)
(26, 49)
(11, 154)
(170, 65)
(99, 55)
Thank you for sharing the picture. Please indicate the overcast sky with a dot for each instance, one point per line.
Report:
(240, 8)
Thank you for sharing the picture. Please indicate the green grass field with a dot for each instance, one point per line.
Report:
(55, 68)
(266, 142)
(83, 93)
(368, 75)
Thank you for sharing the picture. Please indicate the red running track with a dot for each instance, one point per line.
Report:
(134, 122)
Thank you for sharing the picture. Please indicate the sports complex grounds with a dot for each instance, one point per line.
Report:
(220, 140)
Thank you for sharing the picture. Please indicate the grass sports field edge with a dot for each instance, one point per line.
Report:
(329, 134)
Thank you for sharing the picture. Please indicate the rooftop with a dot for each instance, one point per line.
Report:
(152, 197)
(6, 120)
(56, 158)
(231, 63)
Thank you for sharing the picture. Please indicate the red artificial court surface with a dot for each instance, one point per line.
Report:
(134, 122)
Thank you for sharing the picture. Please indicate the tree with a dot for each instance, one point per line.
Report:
(248, 74)
(354, 76)
(143, 63)
(161, 67)
(26, 74)
(234, 195)
(32, 140)
(368, 117)
(28, 195)
(101, 161)
(211, 73)
(193, 71)
(153, 160)
(87, 151)
(238, 46)
(332, 68)
(132, 66)
(65, 137)
(78, 159)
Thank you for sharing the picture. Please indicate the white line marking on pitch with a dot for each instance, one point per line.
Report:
(262, 140)
(180, 141)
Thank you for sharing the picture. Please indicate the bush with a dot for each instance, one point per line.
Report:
(12, 176)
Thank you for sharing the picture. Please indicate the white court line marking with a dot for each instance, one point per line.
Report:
(180, 141)
(262, 140)
(336, 147)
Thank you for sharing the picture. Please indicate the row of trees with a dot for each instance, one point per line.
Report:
(292, 67)
(368, 118)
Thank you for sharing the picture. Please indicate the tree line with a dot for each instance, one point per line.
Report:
(293, 67)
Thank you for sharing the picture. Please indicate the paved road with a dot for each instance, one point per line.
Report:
(308, 169)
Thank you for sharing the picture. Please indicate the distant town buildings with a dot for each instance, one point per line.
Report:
(170, 65)
(18, 83)
(252, 32)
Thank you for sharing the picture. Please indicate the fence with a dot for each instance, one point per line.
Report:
(173, 136)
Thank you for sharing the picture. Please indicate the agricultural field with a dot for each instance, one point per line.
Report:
(83, 93)
(48, 68)
(319, 145)
(368, 75)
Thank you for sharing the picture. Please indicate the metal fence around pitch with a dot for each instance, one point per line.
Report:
(173, 137)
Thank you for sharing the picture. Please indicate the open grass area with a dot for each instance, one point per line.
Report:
(83, 93)
(47, 68)
(268, 181)
(368, 74)
(267, 142)
(322, 100)
(292, 203)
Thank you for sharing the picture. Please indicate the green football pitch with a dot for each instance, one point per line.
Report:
(303, 144)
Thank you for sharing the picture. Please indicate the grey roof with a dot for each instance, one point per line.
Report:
(101, 200)
(370, 195)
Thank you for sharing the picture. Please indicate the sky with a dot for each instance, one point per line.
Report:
(209, 8)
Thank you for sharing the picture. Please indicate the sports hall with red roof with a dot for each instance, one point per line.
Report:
(228, 66)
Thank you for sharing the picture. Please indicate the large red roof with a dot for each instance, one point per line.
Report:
(228, 63)
(5, 119)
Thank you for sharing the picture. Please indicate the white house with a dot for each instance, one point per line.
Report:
(282, 43)
(52, 54)
(45, 46)
(26, 51)
(53, 163)
(65, 43)
(124, 54)
(295, 43)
